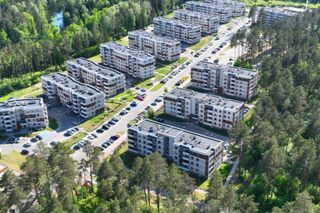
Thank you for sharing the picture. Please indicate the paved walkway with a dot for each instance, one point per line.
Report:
(231, 173)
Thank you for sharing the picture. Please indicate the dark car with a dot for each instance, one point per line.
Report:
(128, 108)
(76, 147)
(54, 143)
(133, 104)
(24, 152)
(100, 131)
(153, 104)
(114, 137)
(34, 140)
(39, 137)
(67, 133)
(105, 126)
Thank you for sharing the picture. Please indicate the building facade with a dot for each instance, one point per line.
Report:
(163, 48)
(270, 15)
(176, 29)
(84, 100)
(209, 24)
(127, 60)
(238, 8)
(18, 114)
(231, 81)
(224, 13)
(209, 110)
(106, 79)
(194, 153)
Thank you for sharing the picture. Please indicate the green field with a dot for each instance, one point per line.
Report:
(95, 58)
(32, 91)
(279, 3)
(203, 42)
(13, 160)
(156, 87)
(123, 41)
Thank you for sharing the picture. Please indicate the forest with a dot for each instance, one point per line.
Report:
(30, 42)
(280, 147)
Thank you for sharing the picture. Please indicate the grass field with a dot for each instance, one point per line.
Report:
(74, 139)
(32, 91)
(123, 41)
(279, 3)
(203, 41)
(224, 169)
(13, 160)
(156, 87)
(95, 58)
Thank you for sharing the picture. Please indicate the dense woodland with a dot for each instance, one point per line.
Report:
(30, 42)
(280, 155)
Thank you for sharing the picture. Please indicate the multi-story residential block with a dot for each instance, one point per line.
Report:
(176, 29)
(195, 153)
(163, 48)
(238, 8)
(231, 81)
(106, 79)
(209, 24)
(133, 62)
(224, 13)
(84, 100)
(210, 110)
(270, 15)
(23, 113)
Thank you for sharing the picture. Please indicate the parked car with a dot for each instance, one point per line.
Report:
(114, 137)
(116, 118)
(216, 61)
(34, 140)
(128, 108)
(94, 135)
(27, 145)
(54, 143)
(123, 112)
(154, 104)
(100, 130)
(105, 127)
(76, 147)
(158, 100)
(39, 137)
(24, 152)
(68, 133)
(133, 104)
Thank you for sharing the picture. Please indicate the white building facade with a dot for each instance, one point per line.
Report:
(127, 60)
(194, 153)
(231, 81)
(182, 31)
(106, 79)
(84, 100)
(209, 24)
(163, 48)
(212, 111)
(18, 114)
(238, 8)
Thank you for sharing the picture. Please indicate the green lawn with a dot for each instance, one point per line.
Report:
(279, 3)
(127, 95)
(13, 160)
(53, 124)
(224, 169)
(203, 41)
(170, 15)
(32, 91)
(74, 139)
(95, 58)
(123, 41)
(156, 87)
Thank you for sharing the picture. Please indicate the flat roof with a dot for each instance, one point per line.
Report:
(196, 14)
(230, 69)
(97, 68)
(25, 102)
(76, 86)
(208, 99)
(176, 22)
(153, 36)
(196, 142)
(125, 49)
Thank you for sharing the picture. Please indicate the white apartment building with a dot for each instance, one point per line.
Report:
(210, 110)
(184, 32)
(127, 60)
(224, 13)
(163, 48)
(106, 79)
(231, 81)
(18, 114)
(84, 100)
(270, 15)
(192, 152)
(209, 24)
(238, 8)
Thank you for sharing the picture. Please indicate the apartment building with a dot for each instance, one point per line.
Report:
(23, 113)
(192, 152)
(209, 24)
(83, 99)
(184, 32)
(163, 48)
(127, 60)
(224, 13)
(270, 15)
(106, 79)
(238, 8)
(210, 110)
(231, 81)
